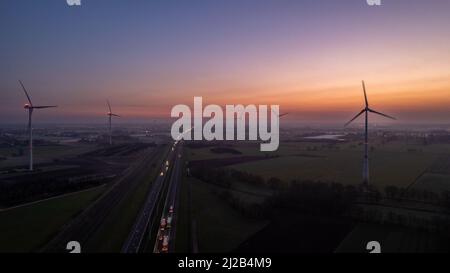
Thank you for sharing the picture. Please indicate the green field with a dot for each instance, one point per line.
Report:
(220, 228)
(182, 242)
(115, 229)
(247, 149)
(433, 182)
(26, 228)
(392, 240)
(392, 163)
(387, 168)
(42, 154)
(205, 153)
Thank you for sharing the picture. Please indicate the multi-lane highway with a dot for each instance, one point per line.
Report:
(82, 227)
(165, 238)
(149, 215)
(163, 192)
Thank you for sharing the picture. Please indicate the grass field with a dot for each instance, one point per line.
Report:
(248, 149)
(433, 182)
(220, 228)
(387, 168)
(26, 228)
(392, 163)
(42, 154)
(183, 230)
(182, 242)
(117, 225)
(294, 232)
(205, 153)
(244, 192)
(392, 240)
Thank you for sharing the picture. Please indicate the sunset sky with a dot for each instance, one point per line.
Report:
(146, 56)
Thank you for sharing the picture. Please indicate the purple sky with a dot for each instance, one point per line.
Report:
(146, 56)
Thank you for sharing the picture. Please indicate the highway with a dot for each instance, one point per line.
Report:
(170, 208)
(149, 213)
(82, 227)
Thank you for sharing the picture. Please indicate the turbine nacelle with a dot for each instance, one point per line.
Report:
(110, 115)
(366, 109)
(27, 106)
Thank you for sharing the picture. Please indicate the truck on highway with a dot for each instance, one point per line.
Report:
(163, 224)
(165, 244)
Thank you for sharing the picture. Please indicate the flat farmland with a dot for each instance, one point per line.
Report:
(386, 168)
(392, 240)
(220, 228)
(393, 163)
(28, 227)
(42, 154)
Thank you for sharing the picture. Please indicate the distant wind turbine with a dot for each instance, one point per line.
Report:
(110, 115)
(366, 110)
(30, 107)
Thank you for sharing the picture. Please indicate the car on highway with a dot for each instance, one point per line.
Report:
(165, 244)
(163, 224)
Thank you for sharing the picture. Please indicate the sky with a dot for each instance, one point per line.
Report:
(146, 56)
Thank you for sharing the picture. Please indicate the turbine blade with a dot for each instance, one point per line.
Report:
(359, 114)
(365, 94)
(26, 93)
(46, 106)
(109, 106)
(115, 115)
(280, 115)
(381, 114)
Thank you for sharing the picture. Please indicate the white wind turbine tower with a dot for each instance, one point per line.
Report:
(30, 107)
(366, 110)
(110, 115)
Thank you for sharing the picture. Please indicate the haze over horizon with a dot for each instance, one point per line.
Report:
(147, 56)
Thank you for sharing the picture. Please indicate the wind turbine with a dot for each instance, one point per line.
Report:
(30, 107)
(366, 111)
(110, 115)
